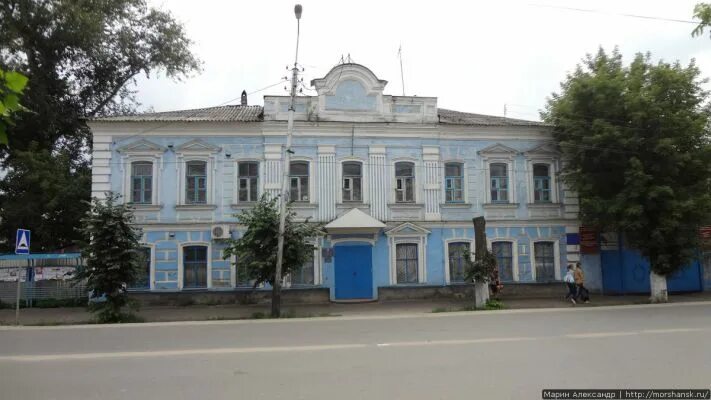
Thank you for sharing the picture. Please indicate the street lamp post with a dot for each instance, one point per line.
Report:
(276, 298)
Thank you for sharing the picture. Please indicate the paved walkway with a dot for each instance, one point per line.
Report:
(78, 315)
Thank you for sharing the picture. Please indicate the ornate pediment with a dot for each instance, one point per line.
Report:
(142, 146)
(544, 149)
(197, 146)
(498, 149)
(407, 229)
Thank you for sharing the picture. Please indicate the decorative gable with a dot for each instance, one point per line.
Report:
(544, 150)
(142, 146)
(498, 149)
(407, 229)
(197, 146)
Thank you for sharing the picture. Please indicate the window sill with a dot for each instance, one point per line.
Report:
(501, 205)
(354, 204)
(147, 207)
(242, 205)
(543, 205)
(195, 207)
(455, 205)
(303, 206)
(406, 205)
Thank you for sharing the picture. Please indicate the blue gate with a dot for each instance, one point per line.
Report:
(626, 271)
(354, 272)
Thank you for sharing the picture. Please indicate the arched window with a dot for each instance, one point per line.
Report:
(352, 181)
(194, 267)
(299, 181)
(404, 182)
(457, 253)
(503, 251)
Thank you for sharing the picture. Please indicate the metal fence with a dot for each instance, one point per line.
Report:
(41, 277)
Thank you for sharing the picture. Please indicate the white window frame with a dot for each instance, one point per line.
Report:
(416, 235)
(514, 253)
(363, 180)
(181, 260)
(465, 183)
(260, 179)
(556, 257)
(499, 154)
(152, 274)
(317, 269)
(196, 150)
(416, 166)
(552, 172)
(447, 242)
(156, 162)
(312, 178)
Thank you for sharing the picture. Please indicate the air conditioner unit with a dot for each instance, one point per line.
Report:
(221, 232)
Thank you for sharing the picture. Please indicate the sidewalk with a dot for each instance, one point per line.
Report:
(78, 315)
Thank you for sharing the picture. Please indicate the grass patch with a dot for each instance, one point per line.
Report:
(440, 310)
(494, 304)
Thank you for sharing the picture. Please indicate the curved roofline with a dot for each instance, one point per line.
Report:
(382, 81)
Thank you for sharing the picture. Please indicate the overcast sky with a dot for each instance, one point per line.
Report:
(474, 56)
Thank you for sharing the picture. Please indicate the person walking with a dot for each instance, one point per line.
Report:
(579, 277)
(569, 280)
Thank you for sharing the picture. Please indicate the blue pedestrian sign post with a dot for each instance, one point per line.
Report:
(22, 242)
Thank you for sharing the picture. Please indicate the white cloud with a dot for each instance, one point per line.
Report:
(474, 56)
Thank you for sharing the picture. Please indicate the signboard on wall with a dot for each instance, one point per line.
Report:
(588, 240)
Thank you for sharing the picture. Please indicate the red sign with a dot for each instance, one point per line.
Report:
(588, 240)
(705, 232)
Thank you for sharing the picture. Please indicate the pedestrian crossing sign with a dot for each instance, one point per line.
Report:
(22, 242)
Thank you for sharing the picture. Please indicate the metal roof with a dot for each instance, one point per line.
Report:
(462, 118)
(229, 113)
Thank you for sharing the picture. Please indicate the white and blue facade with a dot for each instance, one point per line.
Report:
(416, 175)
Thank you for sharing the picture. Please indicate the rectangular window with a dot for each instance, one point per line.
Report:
(499, 183)
(196, 182)
(352, 181)
(541, 183)
(304, 275)
(457, 252)
(248, 181)
(406, 263)
(503, 251)
(454, 183)
(299, 181)
(404, 182)
(142, 182)
(195, 267)
(143, 278)
(545, 261)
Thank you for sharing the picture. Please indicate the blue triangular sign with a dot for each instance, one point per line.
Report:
(22, 242)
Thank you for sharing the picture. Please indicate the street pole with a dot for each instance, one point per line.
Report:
(276, 289)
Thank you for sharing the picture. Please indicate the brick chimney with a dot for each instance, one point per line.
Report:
(244, 97)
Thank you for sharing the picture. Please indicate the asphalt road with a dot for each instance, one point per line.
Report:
(504, 355)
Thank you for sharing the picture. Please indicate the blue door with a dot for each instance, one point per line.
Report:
(354, 272)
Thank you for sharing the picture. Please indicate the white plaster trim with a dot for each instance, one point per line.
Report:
(355, 239)
(465, 181)
(364, 193)
(472, 248)
(235, 178)
(181, 259)
(127, 161)
(395, 238)
(418, 168)
(312, 179)
(152, 274)
(510, 164)
(552, 173)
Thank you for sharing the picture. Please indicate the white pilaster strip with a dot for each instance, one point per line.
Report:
(379, 177)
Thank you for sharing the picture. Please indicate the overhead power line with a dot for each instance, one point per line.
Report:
(648, 17)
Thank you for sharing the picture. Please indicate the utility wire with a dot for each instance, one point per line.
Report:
(647, 17)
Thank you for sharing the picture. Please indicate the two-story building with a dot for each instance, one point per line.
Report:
(395, 179)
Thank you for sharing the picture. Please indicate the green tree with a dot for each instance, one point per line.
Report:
(635, 146)
(256, 250)
(702, 12)
(111, 250)
(12, 84)
(82, 58)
